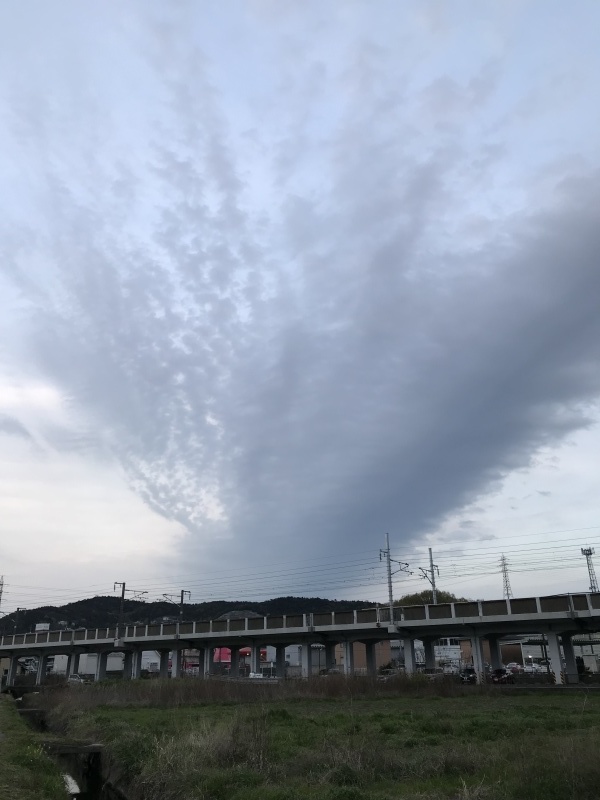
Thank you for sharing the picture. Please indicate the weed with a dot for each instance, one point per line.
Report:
(349, 740)
(345, 793)
(477, 792)
(26, 772)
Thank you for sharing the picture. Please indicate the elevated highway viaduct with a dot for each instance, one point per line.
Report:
(558, 617)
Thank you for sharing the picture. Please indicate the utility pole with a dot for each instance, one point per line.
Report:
(507, 591)
(432, 569)
(17, 618)
(588, 552)
(136, 595)
(1, 588)
(122, 606)
(183, 593)
(403, 567)
(171, 599)
(430, 575)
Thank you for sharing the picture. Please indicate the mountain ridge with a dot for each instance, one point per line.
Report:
(103, 611)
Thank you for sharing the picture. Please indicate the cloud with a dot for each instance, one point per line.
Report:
(399, 417)
(13, 427)
(297, 334)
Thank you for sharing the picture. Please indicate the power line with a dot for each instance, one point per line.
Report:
(331, 577)
(491, 550)
(414, 553)
(182, 594)
(354, 572)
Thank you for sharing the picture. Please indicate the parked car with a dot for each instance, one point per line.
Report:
(451, 669)
(468, 675)
(534, 669)
(389, 674)
(436, 674)
(502, 675)
(77, 679)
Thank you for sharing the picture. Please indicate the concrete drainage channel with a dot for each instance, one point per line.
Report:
(80, 763)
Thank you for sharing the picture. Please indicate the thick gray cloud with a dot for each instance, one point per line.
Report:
(310, 306)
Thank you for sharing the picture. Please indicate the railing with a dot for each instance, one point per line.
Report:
(515, 607)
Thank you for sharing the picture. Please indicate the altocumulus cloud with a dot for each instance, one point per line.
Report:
(303, 287)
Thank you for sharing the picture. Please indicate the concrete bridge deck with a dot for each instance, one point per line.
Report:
(555, 615)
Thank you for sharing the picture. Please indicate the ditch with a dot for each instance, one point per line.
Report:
(81, 763)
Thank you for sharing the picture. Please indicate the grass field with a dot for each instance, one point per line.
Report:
(351, 741)
(26, 773)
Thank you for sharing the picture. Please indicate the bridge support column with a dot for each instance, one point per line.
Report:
(571, 672)
(42, 665)
(101, 661)
(177, 663)
(555, 658)
(371, 659)
(164, 664)
(127, 664)
(74, 663)
(348, 651)
(234, 669)
(495, 652)
(409, 655)
(329, 655)
(428, 646)
(200, 651)
(255, 657)
(209, 661)
(280, 660)
(137, 664)
(13, 669)
(306, 660)
(69, 669)
(478, 661)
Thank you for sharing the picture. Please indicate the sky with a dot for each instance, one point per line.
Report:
(279, 278)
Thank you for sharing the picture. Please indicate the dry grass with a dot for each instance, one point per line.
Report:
(338, 739)
(183, 761)
(192, 691)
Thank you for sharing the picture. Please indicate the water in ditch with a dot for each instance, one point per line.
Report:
(82, 773)
(72, 785)
(81, 769)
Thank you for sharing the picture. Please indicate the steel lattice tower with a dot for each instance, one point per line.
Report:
(507, 591)
(588, 552)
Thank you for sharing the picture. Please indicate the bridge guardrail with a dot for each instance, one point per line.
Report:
(572, 605)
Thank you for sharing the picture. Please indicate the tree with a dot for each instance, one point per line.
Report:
(426, 597)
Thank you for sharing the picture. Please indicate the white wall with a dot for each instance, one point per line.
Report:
(87, 663)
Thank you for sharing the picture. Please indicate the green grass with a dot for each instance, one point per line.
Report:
(26, 772)
(493, 745)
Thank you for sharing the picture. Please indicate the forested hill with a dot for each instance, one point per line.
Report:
(99, 612)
